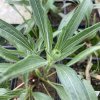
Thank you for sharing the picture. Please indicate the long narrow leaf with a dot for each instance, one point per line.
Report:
(66, 19)
(4, 67)
(28, 64)
(60, 90)
(72, 83)
(90, 90)
(83, 54)
(42, 22)
(19, 2)
(85, 34)
(70, 51)
(8, 55)
(73, 23)
(50, 5)
(72, 44)
(9, 94)
(41, 96)
(14, 36)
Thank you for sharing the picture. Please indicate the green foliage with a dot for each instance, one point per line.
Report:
(73, 84)
(43, 23)
(40, 53)
(14, 36)
(41, 96)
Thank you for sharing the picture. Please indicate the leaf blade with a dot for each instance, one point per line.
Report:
(90, 90)
(13, 35)
(72, 83)
(43, 23)
(41, 96)
(7, 55)
(26, 65)
(74, 22)
(85, 34)
(83, 54)
(60, 90)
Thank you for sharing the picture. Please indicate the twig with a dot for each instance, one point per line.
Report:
(19, 86)
(46, 89)
(88, 67)
(51, 74)
(96, 76)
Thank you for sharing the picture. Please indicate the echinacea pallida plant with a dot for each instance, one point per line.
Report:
(72, 87)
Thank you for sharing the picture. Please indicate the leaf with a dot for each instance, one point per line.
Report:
(60, 90)
(57, 56)
(19, 2)
(27, 26)
(96, 6)
(88, 13)
(57, 32)
(16, 52)
(39, 45)
(9, 94)
(3, 91)
(50, 5)
(28, 64)
(41, 96)
(8, 55)
(14, 36)
(67, 4)
(43, 23)
(72, 83)
(4, 67)
(90, 90)
(66, 19)
(73, 24)
(22, 96)
(83, 54)
(72, 44)
(85, 34)
(70, 51)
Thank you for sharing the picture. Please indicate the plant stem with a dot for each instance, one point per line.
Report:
(88, 67)
(46, 89)
(96, 76)
(52, 74)
(19, 86)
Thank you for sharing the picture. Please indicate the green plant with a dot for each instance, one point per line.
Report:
(72, 86)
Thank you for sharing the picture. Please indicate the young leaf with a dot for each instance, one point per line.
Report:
(85, 34)
(66, 19)
(28, 64)
(69, 51)
(42, 22)
(27, 26)
(73, 23)
(88, 13)
(41, 96)
(72, 83)
(50, 5)
(57, 56)
(83, 54)
(14, 36)
(72, 44)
